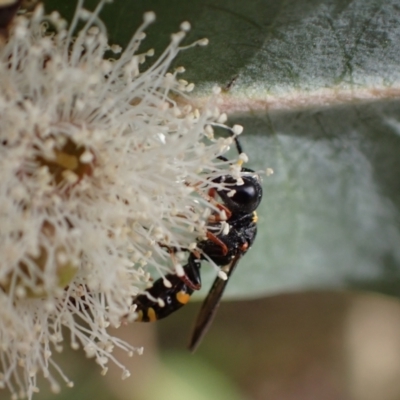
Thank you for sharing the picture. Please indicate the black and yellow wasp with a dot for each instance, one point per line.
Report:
(224, 249)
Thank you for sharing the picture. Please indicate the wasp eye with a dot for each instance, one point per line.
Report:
(246, 198)
(244, 194)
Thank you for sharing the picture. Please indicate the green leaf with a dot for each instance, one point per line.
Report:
(330, 213)
(294, 73)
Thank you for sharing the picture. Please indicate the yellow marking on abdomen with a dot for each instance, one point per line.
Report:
(255, 217)
(151, 314)
(182, 297)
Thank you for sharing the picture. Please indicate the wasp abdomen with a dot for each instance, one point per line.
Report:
(169, 299)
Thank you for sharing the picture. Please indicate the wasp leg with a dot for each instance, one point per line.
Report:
(192, 272)
(212, 194)
(215, 239)
(211, 198)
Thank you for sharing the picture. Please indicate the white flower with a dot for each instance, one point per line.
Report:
(102, 166)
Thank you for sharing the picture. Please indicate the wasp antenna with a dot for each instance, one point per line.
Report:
(234, 131)
(238, 145)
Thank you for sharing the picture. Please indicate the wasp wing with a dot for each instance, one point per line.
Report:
(210, 305)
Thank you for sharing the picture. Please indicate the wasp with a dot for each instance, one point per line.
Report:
(225, 249)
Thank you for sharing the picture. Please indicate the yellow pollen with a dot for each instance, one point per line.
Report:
(240, 162)
(255, 217)
(67, 161)
(182, 297)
